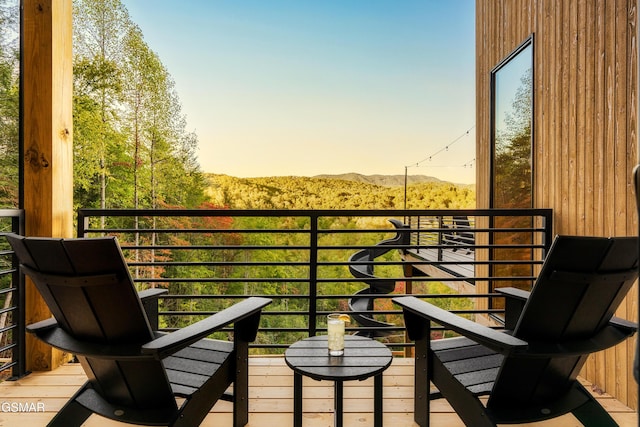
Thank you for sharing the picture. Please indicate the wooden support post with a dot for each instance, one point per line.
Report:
(47, 85)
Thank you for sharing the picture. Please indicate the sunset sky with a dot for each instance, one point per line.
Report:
(307, 87)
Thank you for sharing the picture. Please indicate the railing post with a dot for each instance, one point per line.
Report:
(547, 220)
(313, 275)
(82, 223)
(440, 241)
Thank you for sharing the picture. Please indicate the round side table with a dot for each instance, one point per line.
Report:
(363, 358)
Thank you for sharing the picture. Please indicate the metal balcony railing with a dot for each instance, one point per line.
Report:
(12, 300)
(300, 258)
(208, 259)
(499, 246)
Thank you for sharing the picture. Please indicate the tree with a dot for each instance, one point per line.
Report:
(98, 28)
(132, 148)
(9, 104)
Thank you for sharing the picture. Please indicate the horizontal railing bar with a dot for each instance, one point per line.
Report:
(324, 263)
(397, 213)
(403, 263)
(301, 230)
(324, 313)
(8, 365)
(8, 310)
(7, 290)
(7, 328)
(324, 280)
(212, 247)
(329, 248)
(487, 246)
(218, 263)
(417, 295)
(198, 231)
(222, 280)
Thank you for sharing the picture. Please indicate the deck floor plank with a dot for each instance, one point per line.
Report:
(271, 400)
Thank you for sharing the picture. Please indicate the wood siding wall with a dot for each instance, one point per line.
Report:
(584, 127)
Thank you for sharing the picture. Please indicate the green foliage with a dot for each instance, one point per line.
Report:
(9, 104)
(324, 193)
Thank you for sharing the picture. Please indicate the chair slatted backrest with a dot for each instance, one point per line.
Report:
(580, 286)
(90, 292)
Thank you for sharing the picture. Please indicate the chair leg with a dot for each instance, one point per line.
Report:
(241, 385)
(72, 413)
(592, 414)
(197, 407)
(470, 410)
(422, 384)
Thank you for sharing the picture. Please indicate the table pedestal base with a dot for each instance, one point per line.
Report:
(338, 401)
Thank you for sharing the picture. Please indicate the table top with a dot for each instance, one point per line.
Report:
(363, 358)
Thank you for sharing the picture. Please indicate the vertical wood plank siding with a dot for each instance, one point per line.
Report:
(584, 127)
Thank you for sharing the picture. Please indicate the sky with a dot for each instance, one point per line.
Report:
(309, 87)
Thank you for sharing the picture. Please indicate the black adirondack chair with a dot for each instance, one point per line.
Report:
(529, 370)
(134, 373)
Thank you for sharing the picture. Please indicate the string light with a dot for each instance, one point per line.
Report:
(443, 149)
(469, 164)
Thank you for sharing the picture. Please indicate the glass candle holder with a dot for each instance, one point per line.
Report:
(335, 338)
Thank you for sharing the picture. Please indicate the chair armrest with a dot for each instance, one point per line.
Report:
(515, 299)
(615, 332)
(151, 293)
(498, 341)
(623, 323)
(49, 332)
(170, 343)
(514, 293)
(42, 325)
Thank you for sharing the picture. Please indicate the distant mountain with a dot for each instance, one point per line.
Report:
(383, 180)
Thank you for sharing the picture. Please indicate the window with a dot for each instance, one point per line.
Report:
(512, 168)
(511, 139)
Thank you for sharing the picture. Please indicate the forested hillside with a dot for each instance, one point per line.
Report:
(325, 193)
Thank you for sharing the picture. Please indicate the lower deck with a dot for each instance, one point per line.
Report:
(271, 400)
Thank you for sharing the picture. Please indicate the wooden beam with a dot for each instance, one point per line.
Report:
(48, 142)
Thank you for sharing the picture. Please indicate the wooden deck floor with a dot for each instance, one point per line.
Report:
(271, 400)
